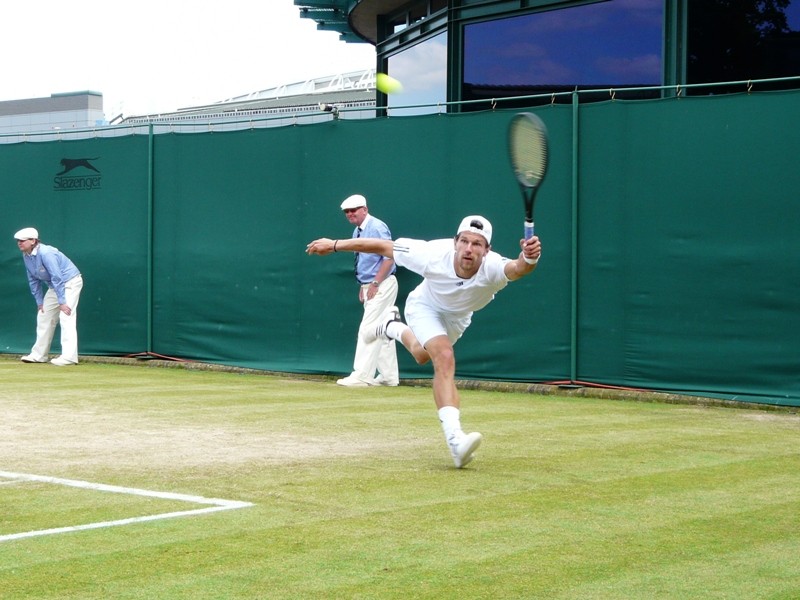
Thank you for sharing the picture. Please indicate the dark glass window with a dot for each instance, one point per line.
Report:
(740, 40)
(603, 45)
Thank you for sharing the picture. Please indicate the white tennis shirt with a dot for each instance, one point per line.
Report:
(441, 288)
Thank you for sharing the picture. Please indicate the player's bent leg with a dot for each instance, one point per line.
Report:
(411, 343)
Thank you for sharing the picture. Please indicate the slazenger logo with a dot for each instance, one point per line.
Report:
(73, 176)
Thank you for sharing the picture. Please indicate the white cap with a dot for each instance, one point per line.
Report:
(476, 224)
(29, 233)
(354, 201)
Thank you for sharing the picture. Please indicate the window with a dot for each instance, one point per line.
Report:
(422, 69)
(601, 45)
(740, 40)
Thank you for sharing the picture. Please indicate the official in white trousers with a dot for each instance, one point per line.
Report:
(56, 285)
(377, 292)
(376, 354)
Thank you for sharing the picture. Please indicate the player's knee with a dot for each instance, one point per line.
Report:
(444, 359)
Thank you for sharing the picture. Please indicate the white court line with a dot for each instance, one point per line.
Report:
(216, 504)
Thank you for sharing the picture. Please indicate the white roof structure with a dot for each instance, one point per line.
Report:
(359, 80)
(346, 95)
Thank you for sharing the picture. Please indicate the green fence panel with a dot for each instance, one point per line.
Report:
(88, 198)
(234, 211)
(668, 230)
(689, 266)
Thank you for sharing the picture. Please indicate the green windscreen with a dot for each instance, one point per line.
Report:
(668, 230)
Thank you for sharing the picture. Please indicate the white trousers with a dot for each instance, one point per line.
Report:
(51, 315)
(380, 354)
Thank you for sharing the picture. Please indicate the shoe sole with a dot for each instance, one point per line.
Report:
(356, 385)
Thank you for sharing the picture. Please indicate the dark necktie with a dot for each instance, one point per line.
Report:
(355, 260)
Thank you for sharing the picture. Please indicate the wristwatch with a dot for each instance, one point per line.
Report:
(376, 283)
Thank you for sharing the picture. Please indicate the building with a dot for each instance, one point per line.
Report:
(466, 54)
(345, 96)
(68, 111)
(469, 55)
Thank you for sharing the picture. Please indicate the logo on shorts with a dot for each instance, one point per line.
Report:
(76, 175)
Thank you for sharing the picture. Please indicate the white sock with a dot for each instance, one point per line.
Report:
(450, 417)
(395, 329)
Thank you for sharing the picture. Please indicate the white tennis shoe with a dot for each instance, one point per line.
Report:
(380, 380)
(463, 447)
(61, 362)
(352, 381)
(390, 315)
(29, 358)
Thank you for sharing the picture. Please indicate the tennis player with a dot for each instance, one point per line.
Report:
(459, 277)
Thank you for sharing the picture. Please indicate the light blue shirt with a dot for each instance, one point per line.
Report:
(48, 265)
(367, 265)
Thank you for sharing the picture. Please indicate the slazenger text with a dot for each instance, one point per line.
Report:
(68, 184)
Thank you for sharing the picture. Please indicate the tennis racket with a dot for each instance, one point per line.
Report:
(527, 149)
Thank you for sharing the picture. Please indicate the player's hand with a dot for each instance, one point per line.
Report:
(532, 248)
(321, 246)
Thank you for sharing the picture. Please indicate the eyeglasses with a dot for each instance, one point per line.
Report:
(347, 211)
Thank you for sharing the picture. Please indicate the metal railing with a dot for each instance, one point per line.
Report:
(315, 113)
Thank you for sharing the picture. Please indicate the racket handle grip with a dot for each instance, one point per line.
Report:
(528, 230)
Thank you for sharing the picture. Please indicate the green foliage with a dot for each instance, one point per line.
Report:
(355, 495)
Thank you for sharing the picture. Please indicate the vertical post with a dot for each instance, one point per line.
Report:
(150, 185)
(455, 61)
(573, 367)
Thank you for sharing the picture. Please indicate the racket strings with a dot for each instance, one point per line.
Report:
(528, 149)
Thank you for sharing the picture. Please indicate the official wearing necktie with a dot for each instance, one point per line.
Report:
(377, 292)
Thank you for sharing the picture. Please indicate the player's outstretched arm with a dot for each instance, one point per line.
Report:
(325, 246)
(526, 261)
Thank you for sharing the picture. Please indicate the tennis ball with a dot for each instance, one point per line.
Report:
(387, 84)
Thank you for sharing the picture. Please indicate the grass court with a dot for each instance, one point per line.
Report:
(351, 493)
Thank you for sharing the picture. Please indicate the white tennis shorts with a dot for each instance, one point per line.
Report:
(428, 322)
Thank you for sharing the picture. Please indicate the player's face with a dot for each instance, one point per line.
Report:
(470, 250)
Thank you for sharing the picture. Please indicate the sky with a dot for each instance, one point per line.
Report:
(148, 56)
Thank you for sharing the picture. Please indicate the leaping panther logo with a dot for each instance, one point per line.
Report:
(73, 163)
